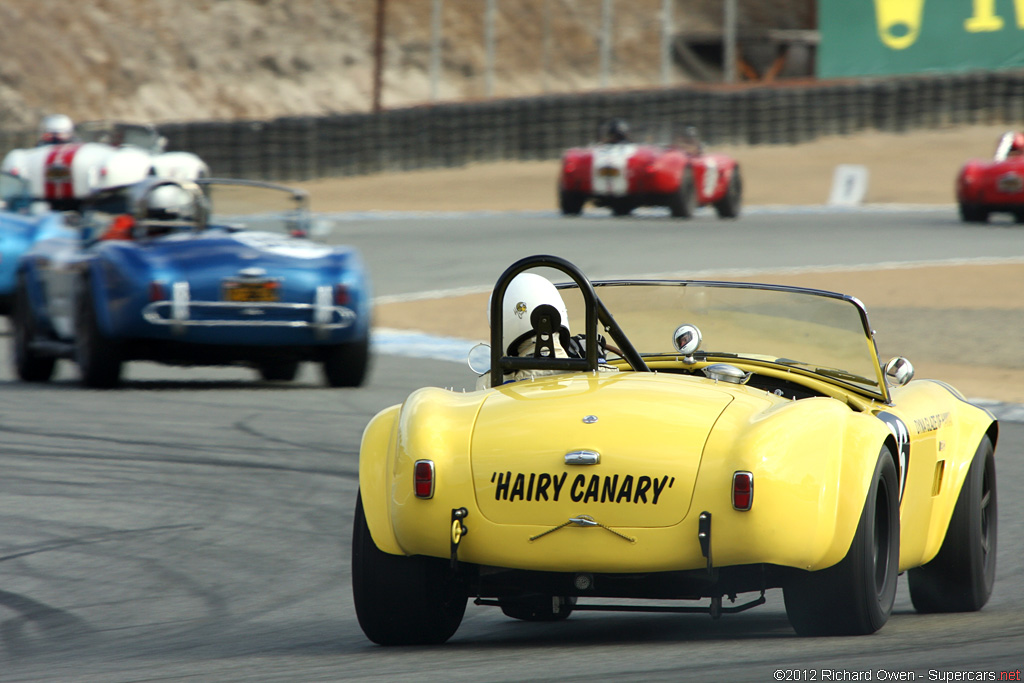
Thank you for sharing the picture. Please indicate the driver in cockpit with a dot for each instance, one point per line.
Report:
(524, 294)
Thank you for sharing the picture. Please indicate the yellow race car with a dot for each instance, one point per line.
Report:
(724, 439)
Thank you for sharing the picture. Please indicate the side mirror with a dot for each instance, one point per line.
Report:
(898, 371)
(479, 359)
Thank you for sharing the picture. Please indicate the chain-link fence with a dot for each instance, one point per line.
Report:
(536, 128)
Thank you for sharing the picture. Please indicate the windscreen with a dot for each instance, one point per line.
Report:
(256, 207)
(117, 134)
(817, 331)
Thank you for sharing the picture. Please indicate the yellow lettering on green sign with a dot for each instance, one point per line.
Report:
(984, 19)
(899, 21)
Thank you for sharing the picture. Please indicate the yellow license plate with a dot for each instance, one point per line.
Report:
(608, 172)
(251, 291)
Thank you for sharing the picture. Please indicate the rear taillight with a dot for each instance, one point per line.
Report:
(423, 477)
(341, 295)
(742, 490)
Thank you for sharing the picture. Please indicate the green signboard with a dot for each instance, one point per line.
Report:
(884, 37)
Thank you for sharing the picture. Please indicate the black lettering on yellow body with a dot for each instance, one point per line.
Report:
(931, 423)
(546, 487)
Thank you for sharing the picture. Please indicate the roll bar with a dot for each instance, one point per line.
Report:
(595, 311)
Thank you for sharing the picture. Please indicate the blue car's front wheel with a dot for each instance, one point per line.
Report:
(98, 357)
(345, 365)
(30, 366)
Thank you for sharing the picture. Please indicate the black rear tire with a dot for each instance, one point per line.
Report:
(961, 576)
(345, 365)
(98, 357)
(571, 202)
(683, 202)
(402, 600)
(855, 596)
(729, 205)
(972, 213)
(29, 365)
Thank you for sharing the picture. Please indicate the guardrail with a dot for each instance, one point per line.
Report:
(453, 134)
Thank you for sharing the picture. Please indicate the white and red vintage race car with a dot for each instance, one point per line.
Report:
(623, 175)
(103, 155)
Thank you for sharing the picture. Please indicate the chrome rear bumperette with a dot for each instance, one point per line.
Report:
(321, 317)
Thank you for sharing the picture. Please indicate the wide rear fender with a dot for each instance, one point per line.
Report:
(713, 173)
(577, 166)
(15, 162)
(967, 181)
(350, 270)
(436, 425)
(123, 166)
(812, 461)
(433, 424)
(948, 430)
(118, 278)
(93, 283)
(28, 272)
(666, 172)
(376, 462)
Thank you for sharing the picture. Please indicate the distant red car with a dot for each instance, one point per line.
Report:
(623, 176)
(993, 186)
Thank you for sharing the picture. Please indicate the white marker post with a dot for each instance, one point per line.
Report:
(849, 185)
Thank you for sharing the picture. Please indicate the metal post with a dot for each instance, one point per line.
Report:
(667, 29)
(729, 42)
(606, 41)
(489, 47)
(435, 48)
(545, 48)
(378, 55)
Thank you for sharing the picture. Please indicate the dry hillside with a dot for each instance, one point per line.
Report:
(176, 60)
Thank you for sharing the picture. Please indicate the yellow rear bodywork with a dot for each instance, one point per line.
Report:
(668, 447)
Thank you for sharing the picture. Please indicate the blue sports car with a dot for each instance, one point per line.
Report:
(211, 272)
(23, 222)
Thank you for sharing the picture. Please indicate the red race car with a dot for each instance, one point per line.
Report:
(622, 175)
(985, 187)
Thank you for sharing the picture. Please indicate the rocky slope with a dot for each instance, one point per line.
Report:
(175, 60)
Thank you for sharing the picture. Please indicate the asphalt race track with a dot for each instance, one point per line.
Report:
(195, 524)
(441, 252)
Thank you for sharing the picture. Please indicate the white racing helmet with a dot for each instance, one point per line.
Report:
(524, 294)
(56, 128)
(164, 205)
